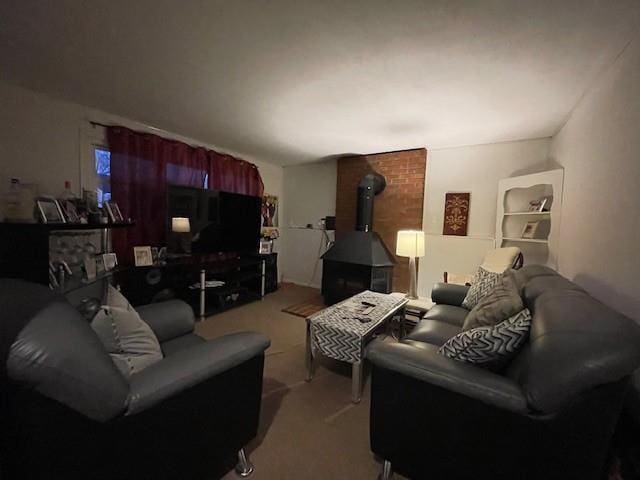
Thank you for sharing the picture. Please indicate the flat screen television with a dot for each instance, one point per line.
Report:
(220, 221)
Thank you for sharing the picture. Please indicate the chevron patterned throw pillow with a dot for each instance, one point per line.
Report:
(490, 347)
(483, 282)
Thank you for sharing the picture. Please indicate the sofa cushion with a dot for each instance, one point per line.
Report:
(129, 340)
(501, 303)
(447, 314)
(433, 331)
(490, 347)
(483, 282)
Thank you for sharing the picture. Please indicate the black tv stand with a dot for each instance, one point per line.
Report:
(209, 283)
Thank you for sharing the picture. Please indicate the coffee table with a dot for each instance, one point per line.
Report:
(337, 331)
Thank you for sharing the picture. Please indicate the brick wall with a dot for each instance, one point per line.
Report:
(399, 207)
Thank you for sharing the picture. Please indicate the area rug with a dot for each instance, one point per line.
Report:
(306, 309)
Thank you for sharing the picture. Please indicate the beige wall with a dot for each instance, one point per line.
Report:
(474, 169)
(310, 194)
(41, 140)
(599, 148)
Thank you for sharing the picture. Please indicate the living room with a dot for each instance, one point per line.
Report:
(331, 123)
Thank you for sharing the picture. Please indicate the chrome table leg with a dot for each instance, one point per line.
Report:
(309, 353)
(387, 471)
(244, 468)
(356, 381)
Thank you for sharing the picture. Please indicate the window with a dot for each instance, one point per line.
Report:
(103, 171)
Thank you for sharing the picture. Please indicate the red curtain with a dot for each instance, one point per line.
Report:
(143, 165)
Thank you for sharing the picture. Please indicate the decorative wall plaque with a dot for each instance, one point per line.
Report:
(456, 213)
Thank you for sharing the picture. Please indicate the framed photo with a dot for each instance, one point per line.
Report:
(49, 209)
(142, 256)
(100, 264)
(90, 268)
(70, 211)
(545, 204)
(535, 206)
(529, 230)
(265, 247)
(110, 261)
(115, 215)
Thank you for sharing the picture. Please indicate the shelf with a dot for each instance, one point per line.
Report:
(539, 214)
(66, 226)
(526, 240)
(75, 282)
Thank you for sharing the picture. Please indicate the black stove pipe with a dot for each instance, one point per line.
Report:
(371, 185)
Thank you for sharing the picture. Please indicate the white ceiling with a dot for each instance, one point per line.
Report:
(291, 81)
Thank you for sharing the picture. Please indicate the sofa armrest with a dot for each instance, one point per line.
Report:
(169, 319)
(424, 363)
(449, 293)
(191, 366)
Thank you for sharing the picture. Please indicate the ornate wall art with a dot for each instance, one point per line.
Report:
(456, 213)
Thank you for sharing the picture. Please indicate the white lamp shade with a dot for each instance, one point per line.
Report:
(410, 243)
(180, 225)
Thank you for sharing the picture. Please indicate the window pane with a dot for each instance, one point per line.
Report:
(103, 161)
(103, 171)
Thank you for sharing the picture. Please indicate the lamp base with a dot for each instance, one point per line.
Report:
(413, 294)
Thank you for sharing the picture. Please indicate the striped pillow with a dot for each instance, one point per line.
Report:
(483, 282)
(490, 347)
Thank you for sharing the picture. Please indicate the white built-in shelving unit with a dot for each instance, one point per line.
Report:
(514, 197)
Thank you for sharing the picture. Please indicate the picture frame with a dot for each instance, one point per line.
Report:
(113, 210)
(545, 204)
(90, 268)
(529, 229)
(265, 247)
(142, 256)
(49, 210)
(70, 211)
(535, 206)
(110, 261)
(100, 265)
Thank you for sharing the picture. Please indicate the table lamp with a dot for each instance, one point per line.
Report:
(182, 226)
(410, 243)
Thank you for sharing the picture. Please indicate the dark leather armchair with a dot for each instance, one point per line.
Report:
(67, 412)
(550, 415)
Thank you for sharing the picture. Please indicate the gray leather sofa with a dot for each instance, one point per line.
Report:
(550, 415)
(67, 412)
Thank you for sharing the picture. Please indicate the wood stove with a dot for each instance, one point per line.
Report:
(360, 260)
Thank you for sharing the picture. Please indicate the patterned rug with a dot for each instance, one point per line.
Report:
(306, 309)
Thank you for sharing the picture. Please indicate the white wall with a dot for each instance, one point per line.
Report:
(310, 194)
(599, 148)
(474, 169)
(41, 140)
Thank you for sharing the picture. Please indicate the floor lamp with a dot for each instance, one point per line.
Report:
(410, 243)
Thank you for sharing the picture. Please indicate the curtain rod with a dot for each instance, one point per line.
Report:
(197, 145)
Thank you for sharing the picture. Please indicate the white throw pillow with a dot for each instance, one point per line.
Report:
(114, 298)
(129, 340)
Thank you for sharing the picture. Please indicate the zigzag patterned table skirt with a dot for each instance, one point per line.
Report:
(338, 332)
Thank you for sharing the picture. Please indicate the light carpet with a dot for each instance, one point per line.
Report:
(307, 430)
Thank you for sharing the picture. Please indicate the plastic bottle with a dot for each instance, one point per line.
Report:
(67, 194)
